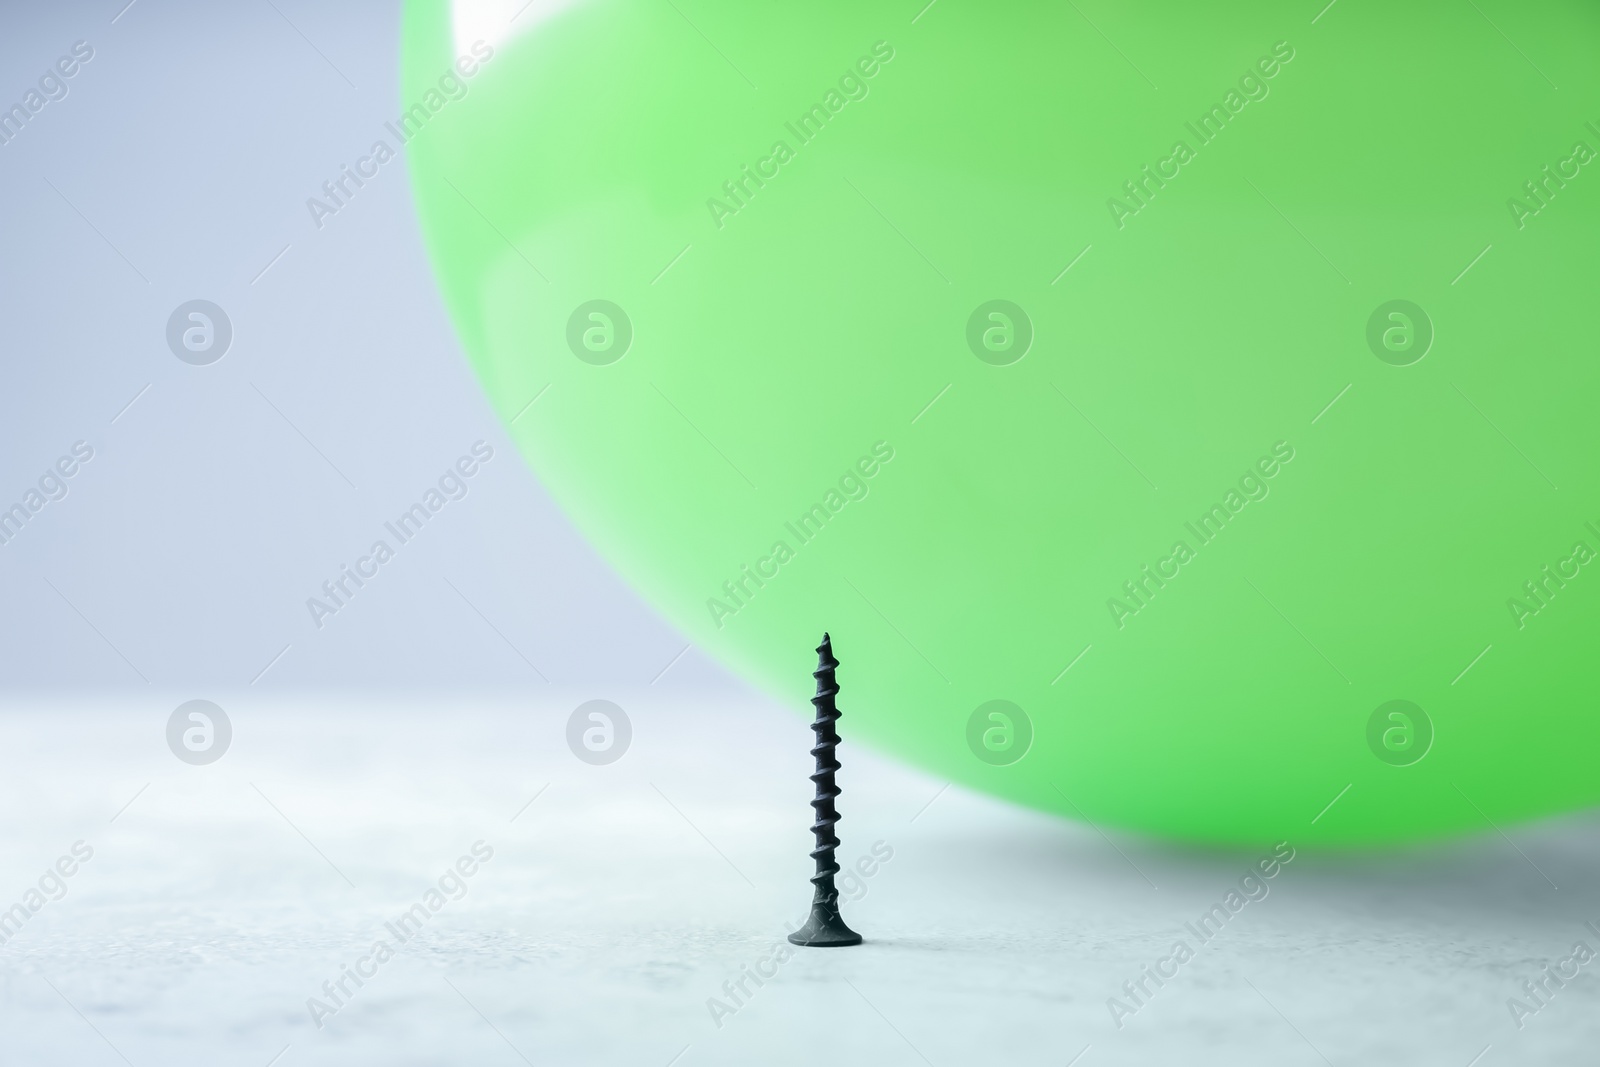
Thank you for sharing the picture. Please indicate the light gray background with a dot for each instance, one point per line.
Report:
(181, 161)
(369, 754)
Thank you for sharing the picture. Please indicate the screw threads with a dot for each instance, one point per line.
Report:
(827, 738)
(825, 927)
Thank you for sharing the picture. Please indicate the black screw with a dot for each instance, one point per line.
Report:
(825, 929)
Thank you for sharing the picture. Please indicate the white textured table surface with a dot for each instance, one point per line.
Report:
(621, 900)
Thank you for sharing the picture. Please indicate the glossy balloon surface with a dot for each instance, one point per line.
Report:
(1182, 416)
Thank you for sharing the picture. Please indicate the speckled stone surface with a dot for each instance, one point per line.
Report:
(621, 907)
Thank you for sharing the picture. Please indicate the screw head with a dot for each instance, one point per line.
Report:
(824, 929)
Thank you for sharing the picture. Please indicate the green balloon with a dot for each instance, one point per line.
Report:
(1145, 398)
